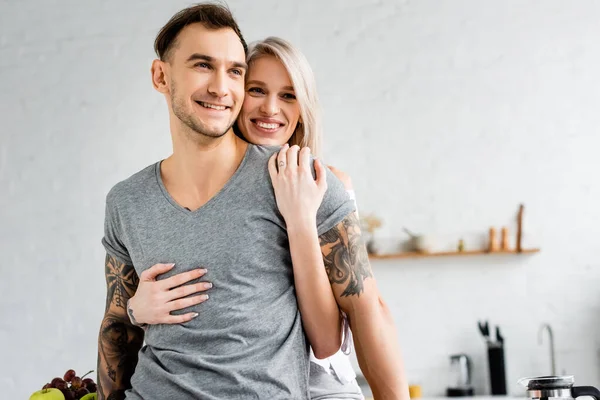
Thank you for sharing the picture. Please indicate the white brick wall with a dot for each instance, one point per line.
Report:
(447, 114)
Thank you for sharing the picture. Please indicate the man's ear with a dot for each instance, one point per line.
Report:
(159, 76)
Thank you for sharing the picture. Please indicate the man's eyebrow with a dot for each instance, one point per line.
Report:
(204, 57)
(261, 83)
(198, 56)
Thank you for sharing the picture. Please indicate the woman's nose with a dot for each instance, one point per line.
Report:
(270, 106)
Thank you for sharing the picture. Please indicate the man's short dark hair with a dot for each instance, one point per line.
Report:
(212, 16)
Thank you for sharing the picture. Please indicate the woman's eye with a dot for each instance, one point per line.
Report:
(256, 90)
(289, 96)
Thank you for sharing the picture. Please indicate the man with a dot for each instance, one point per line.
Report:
(210, 205)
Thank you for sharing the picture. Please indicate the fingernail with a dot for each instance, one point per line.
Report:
(205, 296)
(207, 285)
(202, 270)
(195, 315)
(171, 265)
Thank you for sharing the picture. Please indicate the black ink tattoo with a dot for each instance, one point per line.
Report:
(132, 317)
(119, 340)
(121, 280)
(345, 256)
(118, 395)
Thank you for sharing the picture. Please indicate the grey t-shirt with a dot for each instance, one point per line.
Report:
(248, 341)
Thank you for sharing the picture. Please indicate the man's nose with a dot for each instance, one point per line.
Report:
(218, 84)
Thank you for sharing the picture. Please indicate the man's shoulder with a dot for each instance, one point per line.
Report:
(133, 185)
(260, 152)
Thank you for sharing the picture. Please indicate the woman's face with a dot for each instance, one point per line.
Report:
(270, 111)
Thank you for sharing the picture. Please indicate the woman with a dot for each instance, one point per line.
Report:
(281, 108)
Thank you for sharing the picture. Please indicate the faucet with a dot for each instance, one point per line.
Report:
(547, 327)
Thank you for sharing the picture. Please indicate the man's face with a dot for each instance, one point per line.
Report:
(206, 79)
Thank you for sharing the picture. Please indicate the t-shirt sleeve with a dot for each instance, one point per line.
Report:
(112, 240)
(336, 204)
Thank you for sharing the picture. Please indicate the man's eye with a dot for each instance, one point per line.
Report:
(237, 72)
(202, 65)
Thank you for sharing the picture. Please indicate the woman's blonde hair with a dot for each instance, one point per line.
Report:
(308, 131)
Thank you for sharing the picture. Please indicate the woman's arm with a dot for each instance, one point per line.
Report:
(298, 197)
(321, 317)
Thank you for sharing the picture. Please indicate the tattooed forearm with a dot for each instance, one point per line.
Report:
(121, 282)
(345, 256)
(119, 340)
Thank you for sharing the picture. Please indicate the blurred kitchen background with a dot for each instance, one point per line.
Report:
(446, 114)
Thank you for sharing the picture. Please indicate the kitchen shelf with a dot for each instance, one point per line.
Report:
(414, 254)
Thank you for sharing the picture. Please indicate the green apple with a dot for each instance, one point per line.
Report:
(90, 396)
(48, 394)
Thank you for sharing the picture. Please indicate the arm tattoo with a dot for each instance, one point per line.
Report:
(345, 256)
(132, 317)
(121, 282)
(119, 341)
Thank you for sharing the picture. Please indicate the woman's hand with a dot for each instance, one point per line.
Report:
(154, 300)
(298, 194)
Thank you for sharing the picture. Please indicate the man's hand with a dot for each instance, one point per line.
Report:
(154, 300)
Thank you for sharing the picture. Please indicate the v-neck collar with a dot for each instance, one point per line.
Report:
(230, 182)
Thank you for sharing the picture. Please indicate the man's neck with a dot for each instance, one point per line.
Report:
(198, 169)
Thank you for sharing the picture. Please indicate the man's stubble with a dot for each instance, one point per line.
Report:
(196, 126)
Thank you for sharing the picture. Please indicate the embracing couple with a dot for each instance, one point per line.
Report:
(235, 267)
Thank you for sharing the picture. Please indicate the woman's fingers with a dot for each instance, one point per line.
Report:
(182, 278)
(157, 269)
(187, 290)
(180, 304)
(292, 157)
(180, 319)
(304, 160)
(282, 158)
(321, 174)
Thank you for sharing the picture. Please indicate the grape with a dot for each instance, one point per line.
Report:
(69, 375)
(68, 394)
(76, 382)
(60, 385)
(54, 381)
(92, 387)
(81, 392)
(47, 386)
(87, 381)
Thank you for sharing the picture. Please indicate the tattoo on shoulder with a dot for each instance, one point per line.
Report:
(121, 280)
(345, 256)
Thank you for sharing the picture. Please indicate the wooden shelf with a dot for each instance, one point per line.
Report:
(449, 253)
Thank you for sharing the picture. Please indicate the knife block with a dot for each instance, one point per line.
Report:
(497, 369)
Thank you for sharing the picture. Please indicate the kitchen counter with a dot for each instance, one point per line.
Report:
(466, 398)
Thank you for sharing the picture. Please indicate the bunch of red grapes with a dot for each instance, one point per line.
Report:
(72, 386)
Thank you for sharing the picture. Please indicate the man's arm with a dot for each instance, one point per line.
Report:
(119, 340)
(378, 352)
